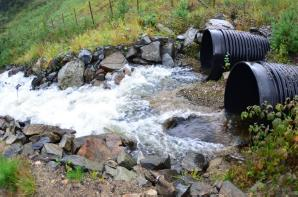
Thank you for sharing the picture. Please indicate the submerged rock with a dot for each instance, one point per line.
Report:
(151, 52)
(71, 75)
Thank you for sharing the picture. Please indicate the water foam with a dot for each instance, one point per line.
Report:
(93, 110)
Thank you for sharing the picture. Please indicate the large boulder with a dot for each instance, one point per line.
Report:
(151, 52)
(219, 24)
(71, 75)
(113, 62)
(101, 148)
(167, 60)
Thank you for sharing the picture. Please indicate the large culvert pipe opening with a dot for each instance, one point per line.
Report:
(206, 54)
(241, 89)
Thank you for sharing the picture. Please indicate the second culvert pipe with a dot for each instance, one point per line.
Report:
(252, 83)
(236, 45)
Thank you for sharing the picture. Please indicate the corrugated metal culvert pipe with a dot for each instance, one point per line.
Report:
(254, 83)
(238, 46)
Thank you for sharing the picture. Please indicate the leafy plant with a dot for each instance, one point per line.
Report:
(121, 9)
(8, 173)
(75, 174)
(148, 20)
(182, 10)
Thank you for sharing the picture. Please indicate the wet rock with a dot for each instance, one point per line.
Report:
(52, 149)
(15, 70)
(194, 162)
(154, 162)
(40, 143)
(39, 66)
(71, 75)
(230, 190)
(113, 62)
(89, 74)
(13, 150)
(98, 55)
(28, 150)
(126, 160)
(52, 77)
(151, 52)
(83, 162)
(123, 174)
(36, 82)
(218, 24)
(190, 36)
(168, 48)
(132, 52)
(200, 189)
(96, 82)
(118, 77)
(101, 148)
(167, 60)
(140, 61)
(66, 142)
(85, 56)
(164, 29)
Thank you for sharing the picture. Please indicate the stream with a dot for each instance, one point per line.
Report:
(125, 109)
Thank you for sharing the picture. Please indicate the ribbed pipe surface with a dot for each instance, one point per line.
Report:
(239, 46)
(252, 83)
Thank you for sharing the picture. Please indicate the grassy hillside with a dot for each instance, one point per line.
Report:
(30, 33)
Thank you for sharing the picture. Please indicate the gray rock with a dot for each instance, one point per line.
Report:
(3, 123)
(153, 162)
(138, 60)
(199, 37)
(132, 52)
(11, 139)
(151, 52)
(113, 62)
(28, 150)
(83, 162)
(145, 40)
(97, 82)
(218, 184)
(39, 66)
(85, 56)
(52, 76)
(66, 142)
(39, 129)
(167, 60)
(190, 36)
(200, 189)
(218, 24)
(53, 165)
(126, 160)
(110, 171)
(99, 54)
(40, 143)
(89, 74)
(194, 162)
(181, 37)
(123, 174)
(141, 181)
(181, 190)
(168, 48)
(52, 149)
(164, 29)
(71, 75)
(230, 190)
(36, 82)
(13, 150)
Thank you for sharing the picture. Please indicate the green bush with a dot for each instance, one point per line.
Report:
(121, 9)
(274, 145)
(8, 173)
(285, 33)
(148, 20)
(182, 11)
(76, 174)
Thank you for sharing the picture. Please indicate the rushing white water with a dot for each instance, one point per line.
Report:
(94, 110)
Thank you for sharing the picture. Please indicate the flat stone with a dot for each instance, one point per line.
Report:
(153, 162)
(83, 162)
(124, 174)
(228, 189)
(36, 129)
(52, 149)
(219, 24)
(113, 62)
(151, 52)
(126, 160)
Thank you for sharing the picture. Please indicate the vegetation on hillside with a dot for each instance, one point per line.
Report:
(39, 30)
(272, 158)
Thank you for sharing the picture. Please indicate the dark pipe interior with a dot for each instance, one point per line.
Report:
(241, 89)
(206, 54)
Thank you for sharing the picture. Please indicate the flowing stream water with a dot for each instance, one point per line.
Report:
(124, 109)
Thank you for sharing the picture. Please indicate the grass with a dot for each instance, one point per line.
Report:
(75, 174)
(15, 176)
(29, 35)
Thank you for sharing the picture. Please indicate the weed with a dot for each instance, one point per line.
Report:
(74, 174)
(227, 65)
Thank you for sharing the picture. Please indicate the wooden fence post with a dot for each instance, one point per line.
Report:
(111, 8)
(75, 15)
(91, 13)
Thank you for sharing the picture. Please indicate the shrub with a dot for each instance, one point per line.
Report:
(8, 173)
(182, 9)
(274, 145)
(285, 33)
(121, 9)
(76, 174)
(148, 20)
